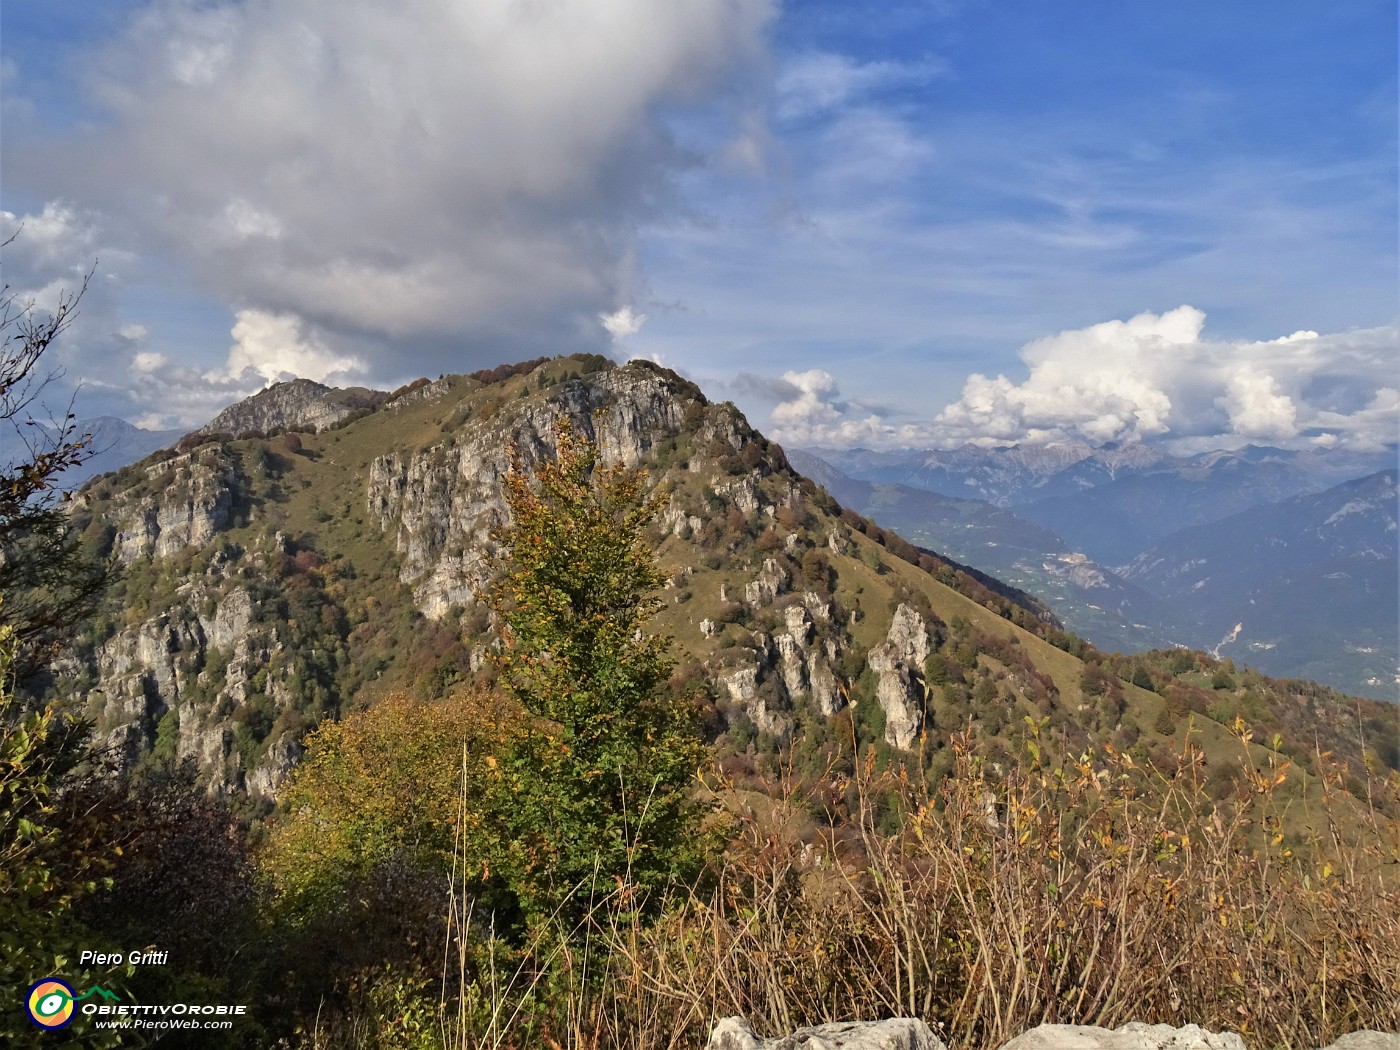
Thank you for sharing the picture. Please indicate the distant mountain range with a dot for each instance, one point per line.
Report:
(1021, 475)
(1091, 599)
(1133, 547)
(114, 444)
(1311, 579)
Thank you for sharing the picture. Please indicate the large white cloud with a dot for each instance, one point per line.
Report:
(1107, 382)
(1158, 376)
(1152, 377)
(104, 362)
(464, 172)
(277, 347)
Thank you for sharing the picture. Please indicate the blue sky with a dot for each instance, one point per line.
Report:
(907, 223)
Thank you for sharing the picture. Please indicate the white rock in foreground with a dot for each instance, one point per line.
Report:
(1132, 1036)
(1367, 1040)
(902, 1033)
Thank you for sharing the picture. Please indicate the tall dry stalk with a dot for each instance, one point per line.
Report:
(1095, 892)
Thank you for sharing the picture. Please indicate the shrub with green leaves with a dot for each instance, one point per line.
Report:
(599, 777)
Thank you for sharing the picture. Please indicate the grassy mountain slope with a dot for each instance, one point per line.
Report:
(272, 581)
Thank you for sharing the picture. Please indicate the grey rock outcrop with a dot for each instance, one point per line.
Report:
(1132, 1036)
(276, 766)
(298, 403)
(757, 688)
(734, 1033)
(826, 691)
(901, 1033)
(741, 685)
(767, 585)
(195, 504)
(838, 540)
(803, 665)
(439, 387)
(443, 502)
(1367, 1040)
(898, 662)
(743, 493)
(678, 522)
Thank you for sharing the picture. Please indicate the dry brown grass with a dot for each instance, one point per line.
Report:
(1095, 893)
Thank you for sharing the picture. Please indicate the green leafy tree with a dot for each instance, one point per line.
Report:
(361, 859)
(596, 785)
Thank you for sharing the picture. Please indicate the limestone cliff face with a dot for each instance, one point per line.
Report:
(186, 500)
(442, 503)
(899, 662)
(180, 674)
(298, 403)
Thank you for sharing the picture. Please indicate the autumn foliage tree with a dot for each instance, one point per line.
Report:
(599, 777)
(360, 860)
(380, 787)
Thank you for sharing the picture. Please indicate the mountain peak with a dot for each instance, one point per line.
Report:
(294, 403)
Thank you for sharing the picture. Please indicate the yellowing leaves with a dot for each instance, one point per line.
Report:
(376, 781)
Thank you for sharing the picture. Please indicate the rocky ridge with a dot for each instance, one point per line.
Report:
(296, 403)
(269, 582)
(229, 634)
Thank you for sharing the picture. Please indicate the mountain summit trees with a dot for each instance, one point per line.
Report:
(598, 781)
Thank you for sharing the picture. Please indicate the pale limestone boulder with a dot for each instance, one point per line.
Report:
(1367, 1040)
(901, 1033)
(899, 662)
(1132, 1036)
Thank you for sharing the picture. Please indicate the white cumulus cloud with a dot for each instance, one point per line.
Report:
(1103, 383)
(1256, 408)
(812, 413)
(622, 323)
(277, 347)
(1153, 377)
(1159, 376)
(461, 175)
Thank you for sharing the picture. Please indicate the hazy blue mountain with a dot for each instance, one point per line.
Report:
(1114, 502)
(1115, 521)
(1004, 475)
(1089, 599)
(1305, 587)
(1153, 550)
(115, 443)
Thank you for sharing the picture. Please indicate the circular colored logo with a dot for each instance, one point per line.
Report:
(50, 1003)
